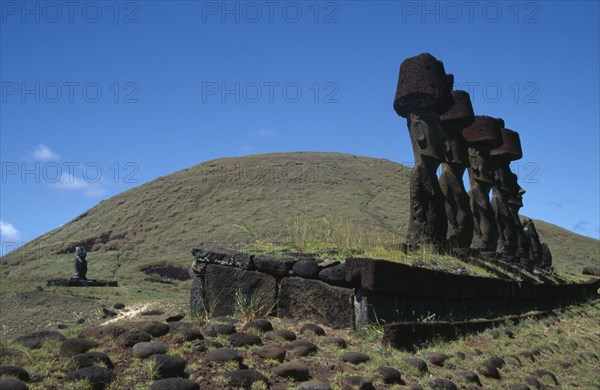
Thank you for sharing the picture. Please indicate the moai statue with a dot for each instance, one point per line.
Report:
(458, 210)
(423, 93)
(80, 263)
(507, 198)
(539, 251)
(482, 136)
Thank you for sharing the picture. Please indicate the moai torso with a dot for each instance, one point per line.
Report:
(456, 160)
(481, 136)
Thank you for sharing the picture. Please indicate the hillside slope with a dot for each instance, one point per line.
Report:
(163, 219)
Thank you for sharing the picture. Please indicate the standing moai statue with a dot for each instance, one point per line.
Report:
(539, 251)
(423, 93)
(482, 136)
(507, 198)
(458, 210)
(80, 263)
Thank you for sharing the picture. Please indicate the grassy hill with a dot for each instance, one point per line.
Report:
(260, 197)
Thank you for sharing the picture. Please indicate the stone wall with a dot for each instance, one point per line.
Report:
(362, 291)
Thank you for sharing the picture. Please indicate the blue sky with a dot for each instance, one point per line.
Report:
(99, 97)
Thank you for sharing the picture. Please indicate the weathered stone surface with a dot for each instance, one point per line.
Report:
(510, 149)
(470, 376)
(283, 334)
(102, 332)
(436, 358)
(74, 346)
(306, 269)
(495, 361)
(175, 317)
(461, 112)
(489, 370)
(356, 382)
(174, 384)
(313, 385)
(302, 347)
(36, 339)
(271, 351)
(168, 366)
(533, 382)
(129, 339)
(99, 377)
(119, 306)
(186, 334)
(245, 378)
(591, 270)
(222, 256)
(204, 345)
(73, 282)
(545, 373)
(311, 299)
(8, 383)
(422, 84)
(355, 357)
(442, 384)
(296, 371)
(485, 130)
(88, 359)
(153, 328)
(243, 339)
(214, 330)
(458, 209)
(248, 283)
(224, 354)
(417, 363)
(17, 372)
(388, 375)
(334, 275)
(274, 266)
(260, 325)
(147, 349)
(314, 328)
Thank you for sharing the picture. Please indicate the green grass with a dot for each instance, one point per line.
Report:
(222, 201)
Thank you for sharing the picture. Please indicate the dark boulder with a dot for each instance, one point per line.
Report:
(36, 339)
(174, 384)
(98, 377)
(88, 359)
(168, 366)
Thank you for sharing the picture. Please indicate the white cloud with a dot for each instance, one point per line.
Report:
(262, 132)
(43, 153)
(8, 233)
(68, 182)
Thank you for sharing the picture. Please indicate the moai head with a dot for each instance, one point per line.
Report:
(482, 136)
(510, 150)
(427, 135)
(423, 85)
(422, 94)
(459, 116)
(80, 251)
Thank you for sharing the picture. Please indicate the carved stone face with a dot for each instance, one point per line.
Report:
(426, 134)
(456, 148)
(80, 251)
(480, 165)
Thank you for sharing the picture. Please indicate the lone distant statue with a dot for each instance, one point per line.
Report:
(423, 93)
(482, 136)
(80, 263)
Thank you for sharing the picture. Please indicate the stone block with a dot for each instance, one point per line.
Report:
(308, 299)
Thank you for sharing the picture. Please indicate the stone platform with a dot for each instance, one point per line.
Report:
(362, 291)
(75, 282)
